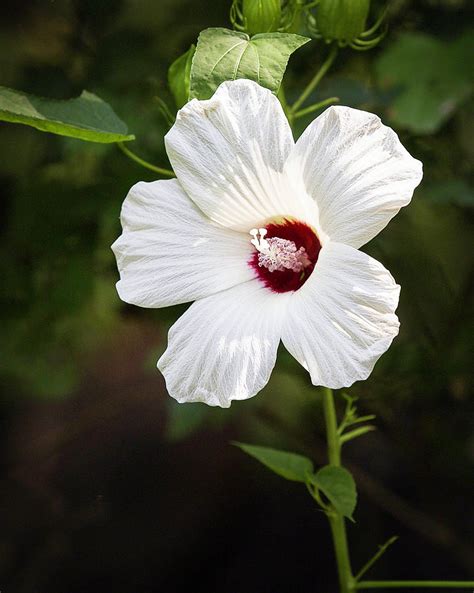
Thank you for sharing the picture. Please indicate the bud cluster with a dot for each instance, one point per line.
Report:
(344, 22)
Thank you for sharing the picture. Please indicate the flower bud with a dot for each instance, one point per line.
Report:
(342, 20)
(261, 16)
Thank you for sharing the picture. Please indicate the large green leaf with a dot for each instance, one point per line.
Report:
(338, 485)
(222, 54)
(86, 117)
(429, 78)
(179, 75)
(288, 465)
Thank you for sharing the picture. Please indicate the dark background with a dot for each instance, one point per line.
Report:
(106, 483)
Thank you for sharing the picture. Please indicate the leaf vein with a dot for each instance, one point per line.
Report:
(225, 53)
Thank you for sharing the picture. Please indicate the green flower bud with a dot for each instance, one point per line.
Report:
(342, 20)
(261, 16)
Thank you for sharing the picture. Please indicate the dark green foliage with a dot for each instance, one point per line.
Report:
(86, 117)
(430, 78)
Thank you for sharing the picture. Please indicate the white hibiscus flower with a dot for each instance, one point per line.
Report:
(263, 234)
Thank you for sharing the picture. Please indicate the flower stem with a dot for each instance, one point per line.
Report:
(315, 80)
(334, 450)
(415, 584)
(347, 582)
(338, 530)
(131, 155)
(336, 520)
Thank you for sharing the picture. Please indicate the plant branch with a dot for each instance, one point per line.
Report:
(391, 503)
(336, 520)
(334, 451)
(315, 107)
(380, 552)
(315, 80)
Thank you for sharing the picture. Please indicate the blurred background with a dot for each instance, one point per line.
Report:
(105, 482)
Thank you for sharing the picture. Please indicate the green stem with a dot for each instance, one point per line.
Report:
(315, 80)
(347, 582)
(334, 451)
(336, 520)
(415, 584)
(315, 107)
(131, 155)
(338, 530)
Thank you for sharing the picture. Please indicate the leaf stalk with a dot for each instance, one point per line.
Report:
(134, 157)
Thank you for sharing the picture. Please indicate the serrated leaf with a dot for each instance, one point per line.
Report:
(338, 485)
(179, 75)
(222, 54)
(290, 466)
(86, 117)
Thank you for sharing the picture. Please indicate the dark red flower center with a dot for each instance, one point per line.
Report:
(285, 254)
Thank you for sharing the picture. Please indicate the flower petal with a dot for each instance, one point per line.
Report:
(229, 153)
(224, 347)
(342, 320)
(357, 171)
(170, 253)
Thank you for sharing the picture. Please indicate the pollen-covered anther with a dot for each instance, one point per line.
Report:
(278, 254)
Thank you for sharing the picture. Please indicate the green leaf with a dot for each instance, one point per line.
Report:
(179, 75)
(430, 79)
(86, 117)
(222, 54)
(288, 465)
(338, 485)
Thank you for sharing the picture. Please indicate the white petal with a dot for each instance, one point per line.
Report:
(224, 347)
(357, 171)
(170, 253)
(342, 319)
(229, 153)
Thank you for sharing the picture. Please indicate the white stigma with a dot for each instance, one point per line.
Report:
(277, 254)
